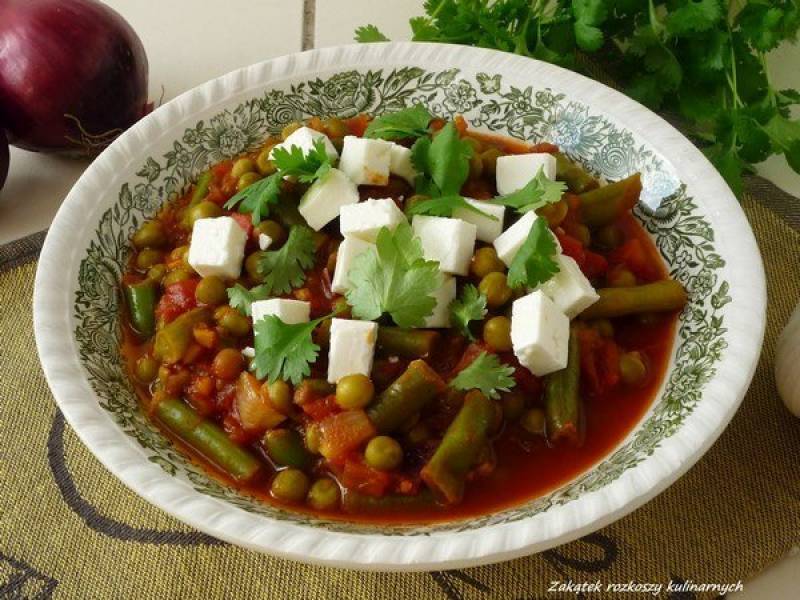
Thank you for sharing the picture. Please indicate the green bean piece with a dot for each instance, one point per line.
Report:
(417, 386)
(356, 503)
(562, 402)
(174, 339)
(660, 296)
(286, 448)
(607, 203)
(141, 299)
(408, 343)
(208, 439)
(446, 471)
(577, 179)
(201, 187)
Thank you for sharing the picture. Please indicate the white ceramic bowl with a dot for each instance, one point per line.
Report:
(698, 226)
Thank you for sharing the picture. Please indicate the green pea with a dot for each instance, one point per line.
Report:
(497, 333)
(211, 290)
(485, 261)
(146, 369)
(354, 391)
(251, 265)
(274, 230)
(148, 257)
(290, 485)
(495, 287)
(383, 453)
(313, 438)
(280, 395)
(176, 276)
(582, 234)
(263, 163)
(608, 237)
(632, 368)
(150, 235)
(513, 405)
(285, 447)
(203, 210)
(156, 273)
(418, 435)
(532, 421)
(232, 321)
(242, 166)
(247, 180)
(324, 494)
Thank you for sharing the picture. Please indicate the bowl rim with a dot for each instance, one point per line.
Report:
(441, 550)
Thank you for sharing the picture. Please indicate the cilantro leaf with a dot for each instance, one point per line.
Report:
(443, 206)
(257, 198)
(394, 278)
(447, 160)
(694, 17)
(306, 166)
(471, 306)
(369, 33)
(487, 374)
(535, 262)
(241, 298)
(284, 351)
(538, 192)
(589, 14)
(407, 123)
(284, 269)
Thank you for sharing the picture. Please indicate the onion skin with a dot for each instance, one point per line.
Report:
(73, 75)
(4, 158)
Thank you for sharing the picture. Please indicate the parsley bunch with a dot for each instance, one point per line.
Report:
(702, 59)
(257, 198)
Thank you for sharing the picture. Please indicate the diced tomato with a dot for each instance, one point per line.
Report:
(344, 432)
(634, 255)
(221, 169)
(595, 265)
(321, 408)
(358, 124)
(599, 361)
(234, 429)
(176, 300)
(571, 247)
(200, 394)
(526, 381)
(544, 147)
(360, 478)
(244, 221)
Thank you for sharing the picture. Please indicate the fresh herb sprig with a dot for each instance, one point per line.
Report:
(284, 269)
(404, 124)
(285, 351)
(705, 60)
(538, 192)
(535, 261)
(470, 306)
(487, 374)
(241, 298)
(257, 198)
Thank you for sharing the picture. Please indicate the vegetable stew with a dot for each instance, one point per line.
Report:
(397, 319)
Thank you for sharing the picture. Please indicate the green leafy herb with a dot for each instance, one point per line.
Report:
(535, 261)
(241, 298)
(257, 198)
(703, 59)
(407, 123)
(284, 269)
(487, 374)
(369, 33)
(284, 351)
(306, 166)
(471, 306)
(443, 206)
(443, 160)
(394, 278)
(538, 192)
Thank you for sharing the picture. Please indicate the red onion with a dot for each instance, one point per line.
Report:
(3, 158)
(73, 75)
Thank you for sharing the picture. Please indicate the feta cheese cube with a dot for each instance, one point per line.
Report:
(539, 333)
(321, 203)
(365, 219)
(264, 241)
(352, 347)
(348, 250)
(304, 138)
(514, 171)
(400, 163)
(449, 241)
(217, 247)
(509, 242)
(488, 229)
(288, 311)
(366, 161)
(444, 295)
(569, 288)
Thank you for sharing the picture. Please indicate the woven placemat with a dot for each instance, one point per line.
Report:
(69, 529)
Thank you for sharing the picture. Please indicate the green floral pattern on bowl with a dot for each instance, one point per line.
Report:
(684, 237)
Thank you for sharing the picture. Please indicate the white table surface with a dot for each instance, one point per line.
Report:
(184, 50)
